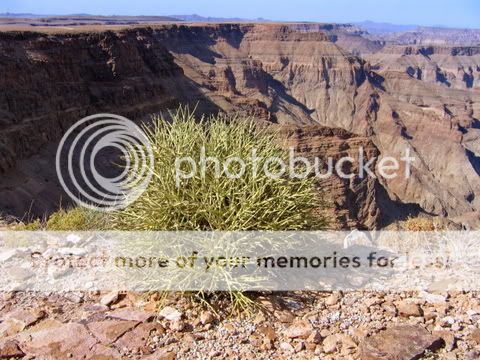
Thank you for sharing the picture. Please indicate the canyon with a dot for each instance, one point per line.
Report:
(328, 89)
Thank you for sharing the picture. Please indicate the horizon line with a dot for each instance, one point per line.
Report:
(226, 18)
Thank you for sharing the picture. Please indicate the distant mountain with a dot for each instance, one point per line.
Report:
(31, 20)
(22, 15)
(199, 18)
(187, 18)
(432, 36)
(382, 28)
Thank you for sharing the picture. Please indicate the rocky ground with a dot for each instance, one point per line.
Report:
(356, 325)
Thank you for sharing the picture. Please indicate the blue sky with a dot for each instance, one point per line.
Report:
(454, 13)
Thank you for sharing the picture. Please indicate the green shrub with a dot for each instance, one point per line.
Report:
(209, 202)
(35, 225)
(27, 225)
(77, 219)
(213, 202)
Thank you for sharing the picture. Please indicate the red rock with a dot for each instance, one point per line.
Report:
(300, 346)
(151, 306)
(268, 303)
(407, 308)
(284, 316)
(131, 315)
(255, 341)
(333, 299)
(162, 354)
(390, 309)
(55, 340)
(345, 94)
(346, 341)
(299, 329)
(138, 337)
(448, 338)
(100, 351)
(315, 337)
(11, 327)
(109, 331)
(110, 298)
(229, 327)
(27, 317)
(403, 342)
(259, 318)
(330, 344)
(268, 332)
(10, 349)
(475, 336)
(207, 317)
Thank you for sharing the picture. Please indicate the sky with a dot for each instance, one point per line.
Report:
(451, 13)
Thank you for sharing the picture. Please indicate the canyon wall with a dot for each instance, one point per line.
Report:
(449, 66)
(302, 77)
(293, 75)
(50, 81)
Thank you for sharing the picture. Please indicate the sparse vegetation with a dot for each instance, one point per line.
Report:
(418, 224)
(207, 202)
(250, 202)
(3, 223)
(35, 225)
(75, 219)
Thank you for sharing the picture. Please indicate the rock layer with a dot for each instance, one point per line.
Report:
(288, 74)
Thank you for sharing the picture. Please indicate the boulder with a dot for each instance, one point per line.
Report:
(404, 342)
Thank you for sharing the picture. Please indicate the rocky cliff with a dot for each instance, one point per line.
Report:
(449, 66)
(303, 77)
(295, 75)
(432, 36)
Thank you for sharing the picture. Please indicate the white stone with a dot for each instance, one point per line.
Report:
(432, 298)
(110, 298)
(471, 313)
(74, 239)
(285, 346)
(171, 314)
(7, 255)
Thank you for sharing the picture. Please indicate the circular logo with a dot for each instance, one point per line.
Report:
(104, 162)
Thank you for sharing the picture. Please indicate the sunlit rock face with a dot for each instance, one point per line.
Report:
(394, 97)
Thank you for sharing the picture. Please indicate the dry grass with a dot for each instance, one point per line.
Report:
(75, 219)
(3, 224)
(418, 224)
(254, 201)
